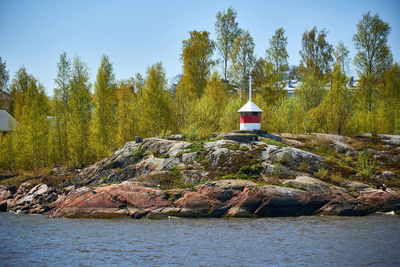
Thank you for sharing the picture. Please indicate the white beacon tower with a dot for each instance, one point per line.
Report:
(250, 115)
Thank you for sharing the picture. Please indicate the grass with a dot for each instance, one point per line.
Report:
(272, 142)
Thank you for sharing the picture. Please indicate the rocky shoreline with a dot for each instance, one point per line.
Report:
(161, 178)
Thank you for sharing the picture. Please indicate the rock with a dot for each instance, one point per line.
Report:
(229, 184)
(274, 201)
(391, 140)
(23, 189)
(112, 201)
(293, 157)
(354, 186)
(292, 142)
(176, 137)
(194, 176)
(189, 158)
(341, 147)
(5, 193)
(383, 201)
(226, 159)
(387, 176)
(3, 206)
(276, 170)
(162, 146)
(329, 137)
(342, 204)
(384, 156)
(309, 184)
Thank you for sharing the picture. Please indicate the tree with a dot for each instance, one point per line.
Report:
(61, 102)
(227, 31)
(316, 53)
(196, 56)
(389, 101)
(4, 76)
(156, 102)
(105, 103)
(311, 92)
(126, 113)
(207, 113)
(243, 59)
(80, 106)
(341, 55)
(18, 88)
(373, 56)
(32, 133)
(278, 56)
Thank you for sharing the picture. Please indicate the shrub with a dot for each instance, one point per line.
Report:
(303, 166)
(367, 165)
(322, 173)
(138, 153)
(277, 169)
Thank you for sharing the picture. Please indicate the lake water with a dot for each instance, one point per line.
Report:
(27, 240)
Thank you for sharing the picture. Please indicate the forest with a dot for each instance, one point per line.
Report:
(84, 122)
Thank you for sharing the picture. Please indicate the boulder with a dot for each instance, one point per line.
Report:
(5, 193)
(309, 184)
(35, 201)
(380, 200)
(293, 157)
(163, 146)
(176, 137)
(354, 186)
(118, 200)
(343, 148)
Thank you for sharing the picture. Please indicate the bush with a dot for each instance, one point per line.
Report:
(322, 173)
(139, 153)
(367, 165)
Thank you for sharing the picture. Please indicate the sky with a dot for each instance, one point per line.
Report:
(137, 34)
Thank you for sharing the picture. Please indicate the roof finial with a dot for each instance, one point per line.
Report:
(250, 88)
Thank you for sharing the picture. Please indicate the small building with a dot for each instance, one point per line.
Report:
(250, 115)
(7, 122)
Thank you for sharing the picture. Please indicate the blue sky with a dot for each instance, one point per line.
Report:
(136, 34)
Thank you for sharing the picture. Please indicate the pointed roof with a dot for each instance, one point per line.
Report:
(7, 122)
(250, 107)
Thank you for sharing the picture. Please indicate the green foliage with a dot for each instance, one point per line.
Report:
(105, 103)
(316, 53)
(80, 106)
(138, 153)
(243, 59)
(227, 31)
(277, 169)
(303, 166)
(367, 165)
(322, 173)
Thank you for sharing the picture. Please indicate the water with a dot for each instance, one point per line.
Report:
(27, 240)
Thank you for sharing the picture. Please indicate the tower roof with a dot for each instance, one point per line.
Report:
(250, 107)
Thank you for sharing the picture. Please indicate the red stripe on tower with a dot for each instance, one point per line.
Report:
(250, 119)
